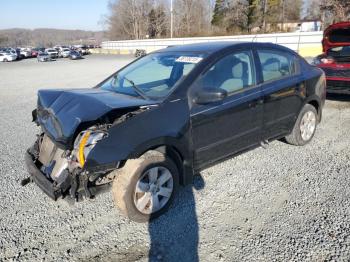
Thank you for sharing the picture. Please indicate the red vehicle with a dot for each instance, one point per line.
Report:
(335, 60)
(35, 53)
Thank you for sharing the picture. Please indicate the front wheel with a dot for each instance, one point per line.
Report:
(305, 127)
(145, 187)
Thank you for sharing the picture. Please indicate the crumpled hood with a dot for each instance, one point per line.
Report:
(60, 112)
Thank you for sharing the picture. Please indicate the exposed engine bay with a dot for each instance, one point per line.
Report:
(64, 168)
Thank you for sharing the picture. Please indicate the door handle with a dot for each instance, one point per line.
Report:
(256, 103)
(260, 101)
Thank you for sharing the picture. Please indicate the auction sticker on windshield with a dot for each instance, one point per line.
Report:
(189, 59)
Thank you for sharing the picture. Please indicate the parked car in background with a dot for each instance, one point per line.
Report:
(43, 57)
(140, 52)
(34, 52)
(19, 55)
(12, 51)
(52, 52)
(82, 49)
(155, 123)
(74, 55)
(25, 53)
(7, 57)
(335, 60)
(64, 52)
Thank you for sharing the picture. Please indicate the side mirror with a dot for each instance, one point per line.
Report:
(209, 95)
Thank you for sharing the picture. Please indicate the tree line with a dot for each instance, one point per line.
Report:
(47, 37)
(139, 19)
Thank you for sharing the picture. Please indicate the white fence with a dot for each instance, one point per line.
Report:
(307, 41)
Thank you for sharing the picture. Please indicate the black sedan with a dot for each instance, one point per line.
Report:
(74, 55)
(155, 123)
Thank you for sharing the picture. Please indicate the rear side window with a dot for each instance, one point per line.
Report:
(276, 65)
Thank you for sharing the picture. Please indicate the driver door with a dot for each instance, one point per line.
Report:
(221, 129)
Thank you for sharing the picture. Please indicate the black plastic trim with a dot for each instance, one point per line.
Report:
(40, 179)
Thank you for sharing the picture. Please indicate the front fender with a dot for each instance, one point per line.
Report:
(167, 123)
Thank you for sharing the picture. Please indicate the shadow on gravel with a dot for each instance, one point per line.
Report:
(174, 236)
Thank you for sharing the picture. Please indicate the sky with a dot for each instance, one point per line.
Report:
(61, 14)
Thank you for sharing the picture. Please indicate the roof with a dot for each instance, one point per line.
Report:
(207, 47)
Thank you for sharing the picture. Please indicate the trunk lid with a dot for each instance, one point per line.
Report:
(336, 35)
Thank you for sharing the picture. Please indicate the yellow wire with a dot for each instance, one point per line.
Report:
(81, 148)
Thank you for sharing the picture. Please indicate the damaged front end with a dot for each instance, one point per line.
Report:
(59, 172)
(72, 122)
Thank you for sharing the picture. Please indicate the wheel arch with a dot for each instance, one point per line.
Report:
(316, 103)
(171, 150)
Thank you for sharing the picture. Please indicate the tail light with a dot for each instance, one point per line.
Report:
(327, 60)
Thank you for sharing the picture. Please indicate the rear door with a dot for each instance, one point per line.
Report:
(283, 88)
(222, 129)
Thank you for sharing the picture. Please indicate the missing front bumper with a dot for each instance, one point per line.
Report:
(40, 179)
(77, 186)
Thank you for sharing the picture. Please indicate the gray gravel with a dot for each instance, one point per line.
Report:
(276, 204)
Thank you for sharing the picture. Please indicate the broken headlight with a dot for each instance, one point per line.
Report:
(85, 142)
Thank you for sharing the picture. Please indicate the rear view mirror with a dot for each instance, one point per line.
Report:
(209, 95)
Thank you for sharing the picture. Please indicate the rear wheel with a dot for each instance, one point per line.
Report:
(145, 187)
(305, 127)
(5, 60)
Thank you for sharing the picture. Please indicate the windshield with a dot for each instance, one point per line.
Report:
(339, 51)
(154, 75)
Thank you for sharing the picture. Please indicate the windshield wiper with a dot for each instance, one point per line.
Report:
(137, 89)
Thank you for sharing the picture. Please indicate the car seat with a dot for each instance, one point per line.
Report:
(271, 69)
(239, 77)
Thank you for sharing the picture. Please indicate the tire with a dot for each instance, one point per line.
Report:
(297, 137)
(137, 172)
(5, 60)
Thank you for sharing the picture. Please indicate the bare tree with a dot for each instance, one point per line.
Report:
(129, 18)
(313, 11)
(335, 10)
(191, 17)
(158, 22)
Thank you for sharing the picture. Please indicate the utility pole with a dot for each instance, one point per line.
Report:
(283, 15)
(171, 19)
(264, 15)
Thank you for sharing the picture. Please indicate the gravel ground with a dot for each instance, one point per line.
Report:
(275, 204)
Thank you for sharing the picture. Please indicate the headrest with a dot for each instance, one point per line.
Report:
(272, 64)
(237, 70)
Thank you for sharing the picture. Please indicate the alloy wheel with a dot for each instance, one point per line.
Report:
(308, 125)
(153, 190)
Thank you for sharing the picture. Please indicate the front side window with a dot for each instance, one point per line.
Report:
(153, 76)
(276, 64)
(232, 73)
